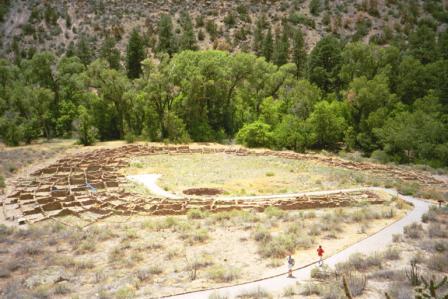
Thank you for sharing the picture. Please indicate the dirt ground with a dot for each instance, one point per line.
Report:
(126, 257)
(160, 255)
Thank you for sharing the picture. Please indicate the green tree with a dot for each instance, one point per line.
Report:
(281, 49)
(293, 134)
(268, 46)
(327, 124)
(135, 55)
(299, 97)
(315, 7)
(324, 64)
(256, 134)
(110, 53)
(359, 59)
(167, 42)
(83, 50)
(258, 37)
(422, 44)
(298, 52)
(188, 38)
(86, 131)
(370, 103)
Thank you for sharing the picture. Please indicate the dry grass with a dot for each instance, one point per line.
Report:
(241, 175)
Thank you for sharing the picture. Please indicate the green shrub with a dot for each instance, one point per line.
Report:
(256, 134)
(129, 137)
(2, 182)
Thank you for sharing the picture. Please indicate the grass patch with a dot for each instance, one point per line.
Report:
(220, 273)
(197, 214)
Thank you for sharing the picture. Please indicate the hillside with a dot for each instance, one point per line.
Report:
(58, 26)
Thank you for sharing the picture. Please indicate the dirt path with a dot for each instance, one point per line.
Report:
(149, 181)
(371, 244)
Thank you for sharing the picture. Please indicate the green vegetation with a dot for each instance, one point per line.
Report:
(387, 100)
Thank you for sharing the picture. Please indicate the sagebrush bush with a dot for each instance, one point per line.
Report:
(413, 231)
(262, 234)
(197, 214)
(437, 262)
(274, 212)
(220, 273)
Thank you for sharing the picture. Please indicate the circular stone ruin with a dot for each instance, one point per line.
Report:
(90, 186)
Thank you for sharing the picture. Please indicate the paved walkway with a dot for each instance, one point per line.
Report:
(374, 243)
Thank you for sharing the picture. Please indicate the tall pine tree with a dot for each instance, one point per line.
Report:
(83, 50)
(166, 36)
(110, 53)
(298, 52)
(281, 49)
(188, 38)
(258, 37)
(135, 55)
(268, 45)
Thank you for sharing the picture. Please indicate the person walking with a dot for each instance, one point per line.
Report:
(291, 263)
(320, 253)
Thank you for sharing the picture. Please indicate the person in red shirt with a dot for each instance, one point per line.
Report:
(320, 253)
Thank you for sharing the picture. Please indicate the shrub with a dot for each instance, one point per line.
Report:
(356, 283)
(322, 273)
(256, 134)
(407, 189)
(429, 216)
(220, 273)
(2, 182)
(438, 262)
(126, 292)
(255, 293)
(262, 234)
(290, 291)
(396, 238)
(155, 270)
(435, 230)
(62, 289)
(217, 295)
(274, 212)
(413, 231)
(129, 137)
(197, 214)
(279, 247)
(359, 262)
(392, 254)
(310, 289)
(400, 290)
(196, 236)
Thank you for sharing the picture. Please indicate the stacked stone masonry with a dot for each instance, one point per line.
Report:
(90, 186)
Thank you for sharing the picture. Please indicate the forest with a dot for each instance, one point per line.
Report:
(390, 102)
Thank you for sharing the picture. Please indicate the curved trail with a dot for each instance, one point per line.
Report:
(150, 182)
(374, 243)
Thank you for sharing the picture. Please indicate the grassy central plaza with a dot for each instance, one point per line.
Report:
(242, 175)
